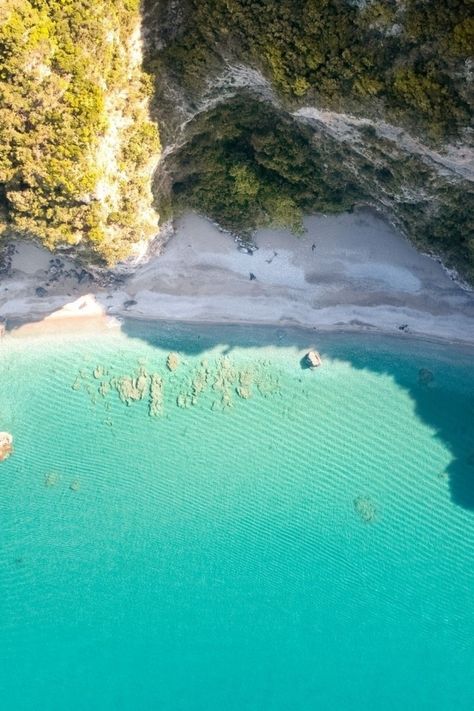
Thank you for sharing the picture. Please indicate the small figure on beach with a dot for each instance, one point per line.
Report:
(6, 445)
(252, 276)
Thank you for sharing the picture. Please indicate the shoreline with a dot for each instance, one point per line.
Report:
(351, 273)
(86, 326)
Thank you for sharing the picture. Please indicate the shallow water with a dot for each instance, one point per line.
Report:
(306, 547)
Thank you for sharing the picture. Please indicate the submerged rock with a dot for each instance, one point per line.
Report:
(51, 479)
(366, 508)
(6, 445)
(425, 376)
(156, 395)
(172, 362)
(75, 485)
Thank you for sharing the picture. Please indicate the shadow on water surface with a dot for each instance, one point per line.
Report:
(426, 370)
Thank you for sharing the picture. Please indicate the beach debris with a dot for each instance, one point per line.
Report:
(365, 507)
(41, 291)
(6, 445)
(313, 359)
(75, 485)
(172, 361)
(425, 376)
(403, 327)
(252, 276)
(130, 302)
(51, 479)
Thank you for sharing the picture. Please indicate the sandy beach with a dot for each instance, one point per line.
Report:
(347, 272)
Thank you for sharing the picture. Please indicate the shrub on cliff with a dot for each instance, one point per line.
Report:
(75, 139)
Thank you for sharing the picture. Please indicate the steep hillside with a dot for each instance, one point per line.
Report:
(270, 109)
(77, 149)
(267, 109)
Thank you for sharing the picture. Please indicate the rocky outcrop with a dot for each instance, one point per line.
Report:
(313, 359)
(172, 361)
(6, 445)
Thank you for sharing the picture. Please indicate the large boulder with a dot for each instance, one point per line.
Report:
(6, 445)
(313, 359)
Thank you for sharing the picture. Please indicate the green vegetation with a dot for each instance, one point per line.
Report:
(406, 59)
(263, 170)
(248, 165)
(75, 139)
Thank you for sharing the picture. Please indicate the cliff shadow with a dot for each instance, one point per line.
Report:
(429, 372)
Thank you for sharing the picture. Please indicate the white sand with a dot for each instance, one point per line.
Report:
(361, 274)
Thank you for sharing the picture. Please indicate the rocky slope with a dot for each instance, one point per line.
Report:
(267, 110)
(270, 110)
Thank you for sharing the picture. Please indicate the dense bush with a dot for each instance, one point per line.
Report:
(263, 170)
(405, 58)
(63, 66)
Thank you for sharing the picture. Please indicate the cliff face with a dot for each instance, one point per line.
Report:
(266, 109)
(77, 149)
(271, 109)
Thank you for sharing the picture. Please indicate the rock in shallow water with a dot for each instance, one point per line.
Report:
(366, 509)
(6, 445)
(313, 359)
(172, 362)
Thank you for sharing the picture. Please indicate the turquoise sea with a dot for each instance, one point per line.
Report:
(244, 533)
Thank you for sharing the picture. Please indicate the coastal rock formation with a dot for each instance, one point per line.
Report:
(313, 359)
(6, 445)
(172, 361)
(156, 395)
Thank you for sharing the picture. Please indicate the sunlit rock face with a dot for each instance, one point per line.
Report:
(267, 112)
